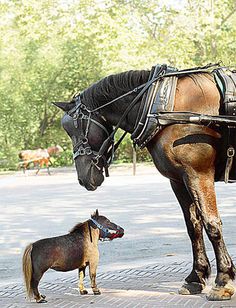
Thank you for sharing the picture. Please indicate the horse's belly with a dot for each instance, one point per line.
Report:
(65, 255)
(67, 263)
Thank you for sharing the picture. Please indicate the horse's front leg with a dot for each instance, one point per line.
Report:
(203, 192)
(82, 290)
(195, 282)
(92, 272)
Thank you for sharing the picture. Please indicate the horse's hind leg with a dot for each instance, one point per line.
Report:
(37, 275)
(81, 281)
(203, 192)
(195, 282)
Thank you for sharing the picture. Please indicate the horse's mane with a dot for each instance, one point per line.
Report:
(113, 86)
(78, 228)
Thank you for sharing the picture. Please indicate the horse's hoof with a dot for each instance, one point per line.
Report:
(41, 301)
(83, 292)
(191, 288)
(221, 293)
(96, 292)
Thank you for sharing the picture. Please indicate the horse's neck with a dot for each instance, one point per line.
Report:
(92, 233)
(113, 113)
(115, 86)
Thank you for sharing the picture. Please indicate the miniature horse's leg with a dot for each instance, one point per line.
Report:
(201, 186)
(195, 282)
(37, 275)
(92, 273)
(81, 281)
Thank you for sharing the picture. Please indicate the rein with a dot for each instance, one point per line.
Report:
(77, 113)
(159, 72)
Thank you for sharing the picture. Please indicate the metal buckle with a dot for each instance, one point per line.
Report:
(88, 151)
(230, 152)
(84, 140)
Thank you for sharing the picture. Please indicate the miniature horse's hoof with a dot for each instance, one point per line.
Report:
(191, 288)
(42, 299)
(221, 293)
(96, 292)
(83, 292)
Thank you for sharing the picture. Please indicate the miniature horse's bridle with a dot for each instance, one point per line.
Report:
(106, 232)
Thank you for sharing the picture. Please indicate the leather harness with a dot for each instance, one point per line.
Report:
(156, 111)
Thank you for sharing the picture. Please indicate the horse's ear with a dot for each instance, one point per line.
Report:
(96, 213)
(64, 105)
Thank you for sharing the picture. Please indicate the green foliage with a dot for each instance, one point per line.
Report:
(52, 49)
(124, 153)
(64, 159)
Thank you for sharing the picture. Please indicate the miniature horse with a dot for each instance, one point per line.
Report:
(64, 253)
(187, 154)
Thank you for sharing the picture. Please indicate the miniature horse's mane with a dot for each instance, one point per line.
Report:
(78, 228)
(113, 86)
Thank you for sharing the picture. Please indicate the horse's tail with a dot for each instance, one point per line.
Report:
(28, 270)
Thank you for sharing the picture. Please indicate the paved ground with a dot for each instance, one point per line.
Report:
(143, 269)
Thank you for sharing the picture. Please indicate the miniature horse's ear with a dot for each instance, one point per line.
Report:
(95, 214)
(64, 105)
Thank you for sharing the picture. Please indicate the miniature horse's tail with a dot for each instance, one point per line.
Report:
(28, 270)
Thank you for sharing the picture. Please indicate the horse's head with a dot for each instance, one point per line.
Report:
(108, 230)
(88, 133)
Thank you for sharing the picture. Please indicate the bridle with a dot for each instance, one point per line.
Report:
(107, 235)
(79, 114)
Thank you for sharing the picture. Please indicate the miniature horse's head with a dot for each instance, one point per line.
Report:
(108, 230)
(88, 133)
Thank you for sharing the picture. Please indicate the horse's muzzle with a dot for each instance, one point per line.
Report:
(88, 186)
(119, 233)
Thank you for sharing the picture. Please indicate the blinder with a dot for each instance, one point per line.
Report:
(82, 147)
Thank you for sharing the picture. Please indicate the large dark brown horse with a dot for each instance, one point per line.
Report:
(78, 249)
(187, 154)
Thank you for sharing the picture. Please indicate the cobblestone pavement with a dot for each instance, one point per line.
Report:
(154, 285)
(143, 269)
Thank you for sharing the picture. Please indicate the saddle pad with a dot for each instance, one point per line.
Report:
(159, 98)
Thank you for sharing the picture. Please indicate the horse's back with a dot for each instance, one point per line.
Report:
(33, 154)
(197, 93)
